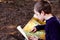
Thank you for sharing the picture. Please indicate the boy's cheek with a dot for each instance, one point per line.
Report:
(38, 17)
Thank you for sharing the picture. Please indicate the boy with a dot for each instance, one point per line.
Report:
(52, 28)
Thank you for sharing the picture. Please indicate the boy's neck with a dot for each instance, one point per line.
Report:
(48, 16)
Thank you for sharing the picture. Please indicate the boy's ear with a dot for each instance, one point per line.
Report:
(43, 12)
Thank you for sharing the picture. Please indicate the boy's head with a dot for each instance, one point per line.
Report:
(42, 8)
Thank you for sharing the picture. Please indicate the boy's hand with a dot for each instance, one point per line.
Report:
(34, 29)
(33, 38)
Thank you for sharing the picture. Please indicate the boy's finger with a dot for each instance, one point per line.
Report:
(34, 30)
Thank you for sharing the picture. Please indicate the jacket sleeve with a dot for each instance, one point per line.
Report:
(40, 27)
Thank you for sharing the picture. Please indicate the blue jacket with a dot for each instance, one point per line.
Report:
(52, 29)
